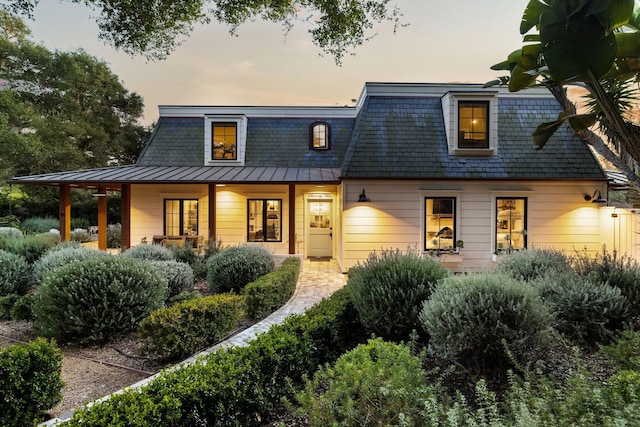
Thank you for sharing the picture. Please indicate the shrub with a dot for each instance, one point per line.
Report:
(232, 268)
(584, 310)
(59, 256)
(187, 327)
(80, 235)
(30, 381)
(469, 317)
(96, 299)
(621, 272)
(178, 274)
(183, 296)
(185, 253)
(272, 290)
(80, 223)
(389, 288)
(114, 236)
(199, 267)
(40, 224)
(240, 386)
(149, 253)
(530, 264)
(31, 247)
(377, 383)
(6, 304)
(10, 232)
(15, 274)
(23, 308)
(625, 351)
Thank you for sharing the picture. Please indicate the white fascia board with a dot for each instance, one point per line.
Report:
(440, 89)
(285, 112)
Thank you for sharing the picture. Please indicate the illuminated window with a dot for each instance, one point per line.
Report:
(264, 220)
(180, 217)
(319, 136)
(440, 223)
(511, 224)
(224, 140)
(473, 124)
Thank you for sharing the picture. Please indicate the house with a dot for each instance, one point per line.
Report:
(428, 166)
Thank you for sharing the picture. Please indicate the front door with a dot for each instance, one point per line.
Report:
(320, 228)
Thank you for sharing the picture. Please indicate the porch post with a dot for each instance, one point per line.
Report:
(212, 212)
(102, 221)
(125, 216)
(292, 219)
(64, 212)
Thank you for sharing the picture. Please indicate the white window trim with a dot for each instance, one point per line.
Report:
(457, 194)
(528, 194)
(241, 135)
(450, 103)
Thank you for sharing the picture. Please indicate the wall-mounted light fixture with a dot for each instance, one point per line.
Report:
(594, 199)
(363, 197)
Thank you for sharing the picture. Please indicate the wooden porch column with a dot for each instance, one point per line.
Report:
(292, 219)
(125, 216)
(212, 213)
(102, 221)
(64, 212)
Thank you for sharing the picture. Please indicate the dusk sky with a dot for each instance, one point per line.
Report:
(445, 41)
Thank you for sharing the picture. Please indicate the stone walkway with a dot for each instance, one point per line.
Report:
(317, 280)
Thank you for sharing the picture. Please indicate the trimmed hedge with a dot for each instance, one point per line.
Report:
(232, 268)
(15, 274)
(241, 386)
(187, 327)
(30, 382)
(271, 291)
(98, 298)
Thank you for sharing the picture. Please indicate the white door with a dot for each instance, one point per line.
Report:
(320, 228)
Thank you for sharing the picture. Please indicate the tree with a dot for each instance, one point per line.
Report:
(154, 28)
(594, 44)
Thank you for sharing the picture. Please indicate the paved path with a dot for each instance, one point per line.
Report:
(317, 280)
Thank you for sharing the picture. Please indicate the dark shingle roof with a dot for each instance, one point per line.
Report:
(175, 142)
(404, 137)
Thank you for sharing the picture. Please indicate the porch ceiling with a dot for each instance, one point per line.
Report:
(113, 177)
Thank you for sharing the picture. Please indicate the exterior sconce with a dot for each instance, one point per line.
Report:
(595, 199)
(363, 197)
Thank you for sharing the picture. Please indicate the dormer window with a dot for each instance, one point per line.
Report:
(225, 141)
(319, 136)
(473, 124)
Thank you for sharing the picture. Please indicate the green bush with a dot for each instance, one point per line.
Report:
(30, 382)
(15, 274)
(6, 304)
(187, 327)
(389, 288)
(625, 351)
(584, 310)
(31, 247)
(184, 253)
(178, 274)
(376, 384)
(530, 264)
(183, 296)
(621, 272)
(232, 268)
(149, 253)
(23, 308)
(37, 225)
(469, 317)
(271, 291)
(77, 223)
(240, 386)
(59, 256)
(98, 298)
(80, 235)
(199, 267)
(10, 232)
(114, 236)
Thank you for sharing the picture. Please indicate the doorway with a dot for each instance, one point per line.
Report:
(319, 226)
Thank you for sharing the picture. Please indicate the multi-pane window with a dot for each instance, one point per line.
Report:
(440, 223)
(224, 140)
(511, 223)
(264, 220)
(320, 136)
(473, 124)
(180, 217)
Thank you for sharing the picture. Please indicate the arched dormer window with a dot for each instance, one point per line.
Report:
(319, 136)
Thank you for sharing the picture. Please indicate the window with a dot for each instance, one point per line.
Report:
(224, 140)
(264, 220)
(440, 223)
(473, 124)
(319, 136)
(180, 217)
(511, 224)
